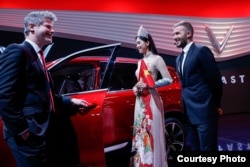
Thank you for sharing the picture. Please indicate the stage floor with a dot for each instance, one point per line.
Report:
(234, 132)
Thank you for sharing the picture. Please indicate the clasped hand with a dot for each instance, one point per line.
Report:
(139, 86)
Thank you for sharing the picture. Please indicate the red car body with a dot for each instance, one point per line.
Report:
(105, 125)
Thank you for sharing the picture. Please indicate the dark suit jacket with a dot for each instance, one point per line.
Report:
(24, 91)
(201, 84)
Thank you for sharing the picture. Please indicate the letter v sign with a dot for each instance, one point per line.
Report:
(218, 46)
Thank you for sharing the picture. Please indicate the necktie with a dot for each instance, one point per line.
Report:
(52, 106)
(180, 62)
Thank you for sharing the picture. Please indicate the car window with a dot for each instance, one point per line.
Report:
(123, 76)
(74, 77)
(62, 71)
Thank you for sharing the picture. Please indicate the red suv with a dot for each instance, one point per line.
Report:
(101, 133)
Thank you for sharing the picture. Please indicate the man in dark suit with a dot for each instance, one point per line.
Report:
(201, 88)
(26, 102)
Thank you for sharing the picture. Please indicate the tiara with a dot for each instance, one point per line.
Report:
(142, 32)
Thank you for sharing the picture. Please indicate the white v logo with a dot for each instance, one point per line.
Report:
(218, 46)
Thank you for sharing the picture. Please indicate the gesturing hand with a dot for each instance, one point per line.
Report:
(141, 84)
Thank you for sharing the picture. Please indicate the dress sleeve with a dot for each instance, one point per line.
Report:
(162, 68)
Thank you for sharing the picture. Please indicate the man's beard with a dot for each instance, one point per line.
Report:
(183, 43)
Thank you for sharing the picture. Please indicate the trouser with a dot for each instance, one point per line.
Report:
(203, 137)
(30, 152)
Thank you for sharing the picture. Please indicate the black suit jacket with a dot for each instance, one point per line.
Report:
(201, 84)
(24, 91)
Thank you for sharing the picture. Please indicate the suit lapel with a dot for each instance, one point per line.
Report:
(178, 64)
(187, 61)
(32, 55)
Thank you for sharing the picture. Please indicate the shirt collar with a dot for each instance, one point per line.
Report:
(34, 45)
(187, 47)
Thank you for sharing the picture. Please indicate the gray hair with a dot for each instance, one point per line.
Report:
(37, 18)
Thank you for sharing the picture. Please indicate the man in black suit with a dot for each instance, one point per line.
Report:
(26, 102)
(201, 88)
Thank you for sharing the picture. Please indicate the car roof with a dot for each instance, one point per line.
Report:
(103, 59)
(98, 58)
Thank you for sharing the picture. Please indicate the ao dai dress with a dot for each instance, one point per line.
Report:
(148, 133)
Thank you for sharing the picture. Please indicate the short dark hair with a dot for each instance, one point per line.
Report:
(187, 25)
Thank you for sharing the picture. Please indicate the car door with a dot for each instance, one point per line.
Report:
(84, 130)
(119, 104)
(118, 114)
